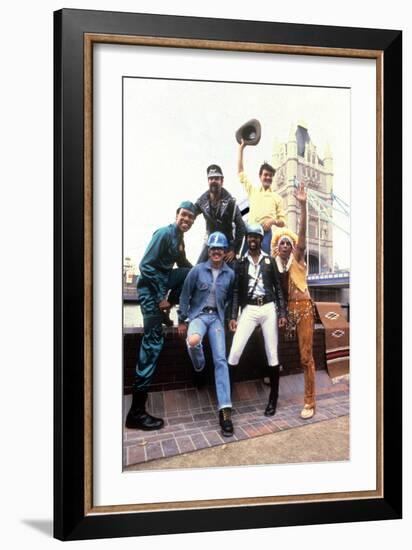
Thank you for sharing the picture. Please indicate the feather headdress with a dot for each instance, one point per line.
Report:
(283, 233)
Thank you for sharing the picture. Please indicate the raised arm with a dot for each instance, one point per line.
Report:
(240, 167)
(247, 186)
(301, 197)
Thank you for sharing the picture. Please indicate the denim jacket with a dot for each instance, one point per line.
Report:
(196, 290)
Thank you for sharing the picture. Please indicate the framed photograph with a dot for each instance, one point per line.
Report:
(158, 119)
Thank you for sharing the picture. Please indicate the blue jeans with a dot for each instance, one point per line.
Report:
(267, 239)
(210, 324)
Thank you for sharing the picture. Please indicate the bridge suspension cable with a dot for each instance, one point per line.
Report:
(322, 207)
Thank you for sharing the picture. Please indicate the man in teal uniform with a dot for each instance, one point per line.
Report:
(158, 288)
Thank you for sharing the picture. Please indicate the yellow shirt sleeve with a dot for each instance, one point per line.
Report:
(244, 180)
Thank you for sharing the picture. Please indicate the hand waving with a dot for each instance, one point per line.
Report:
(300, 193)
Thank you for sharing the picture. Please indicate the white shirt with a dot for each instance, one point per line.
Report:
(253, 272)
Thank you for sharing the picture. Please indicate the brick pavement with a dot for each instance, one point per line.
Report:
(191, 419)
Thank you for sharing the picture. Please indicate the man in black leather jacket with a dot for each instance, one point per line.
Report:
(258, 292)
(221, 213)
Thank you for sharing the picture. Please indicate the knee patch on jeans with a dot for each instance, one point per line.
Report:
(194, 340)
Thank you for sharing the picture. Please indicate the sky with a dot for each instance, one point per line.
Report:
(174, 129)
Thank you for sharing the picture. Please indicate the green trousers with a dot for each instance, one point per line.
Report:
(153, 337)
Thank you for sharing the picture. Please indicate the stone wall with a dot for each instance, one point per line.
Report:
(175, 370)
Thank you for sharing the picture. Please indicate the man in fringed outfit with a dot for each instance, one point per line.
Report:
(289, 252)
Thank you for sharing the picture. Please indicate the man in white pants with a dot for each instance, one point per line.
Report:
(257, 291)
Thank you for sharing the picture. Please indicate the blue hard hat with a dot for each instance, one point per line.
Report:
(255, 229)
(217, 240)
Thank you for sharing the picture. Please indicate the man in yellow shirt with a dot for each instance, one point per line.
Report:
(265, 205)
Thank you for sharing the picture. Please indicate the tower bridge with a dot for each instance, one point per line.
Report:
(296, 160)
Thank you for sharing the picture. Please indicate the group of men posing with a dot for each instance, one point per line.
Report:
(266, 280)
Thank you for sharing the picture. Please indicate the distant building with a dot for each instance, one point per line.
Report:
(296, 160)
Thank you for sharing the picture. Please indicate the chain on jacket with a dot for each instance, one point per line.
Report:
(228, 219)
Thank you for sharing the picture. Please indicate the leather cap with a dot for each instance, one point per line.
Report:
(214, 171)
(250, 132)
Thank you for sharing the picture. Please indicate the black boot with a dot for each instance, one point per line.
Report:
(199, 378)
(225, 421)
(274, 390)
(137, 418)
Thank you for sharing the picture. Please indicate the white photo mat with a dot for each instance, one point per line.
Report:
(111, 485)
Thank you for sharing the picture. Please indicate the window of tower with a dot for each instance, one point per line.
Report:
(313, 230)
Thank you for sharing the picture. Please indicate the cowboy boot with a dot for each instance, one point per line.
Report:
(138, 418)
(274, 390)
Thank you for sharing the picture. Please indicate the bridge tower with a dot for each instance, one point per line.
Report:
(299, 159)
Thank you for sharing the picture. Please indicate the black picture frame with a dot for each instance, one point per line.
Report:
(73, 518)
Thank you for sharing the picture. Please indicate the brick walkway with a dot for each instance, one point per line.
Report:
(191, 419)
